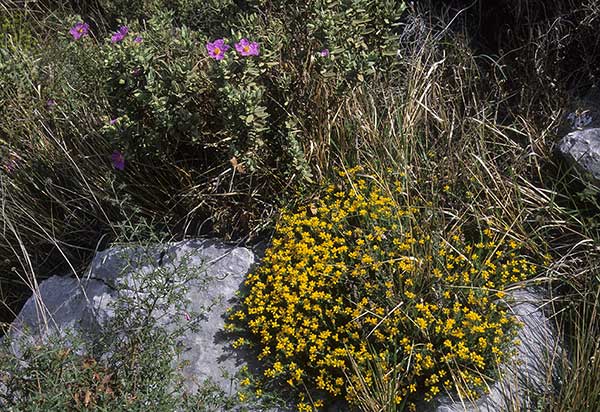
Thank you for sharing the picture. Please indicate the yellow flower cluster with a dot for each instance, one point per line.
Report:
(353, 279)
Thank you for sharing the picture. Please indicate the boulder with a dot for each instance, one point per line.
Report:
(85, 304)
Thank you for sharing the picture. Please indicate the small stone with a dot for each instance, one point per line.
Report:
(581, 148)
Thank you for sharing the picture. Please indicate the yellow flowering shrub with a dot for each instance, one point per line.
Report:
(353, 279)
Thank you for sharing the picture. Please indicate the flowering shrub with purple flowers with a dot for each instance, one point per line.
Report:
(241, 85)
(216, 49)
(161, 100)
(247, 48)
(204, 94)
(189, 100)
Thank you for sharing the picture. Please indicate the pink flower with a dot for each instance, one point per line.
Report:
(118, 160)
(247, 48)
(217, 49)
(79, 30)
(324, 53)
(120, 34)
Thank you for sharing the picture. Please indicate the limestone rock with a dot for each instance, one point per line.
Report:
(85, 304)
(582, 149)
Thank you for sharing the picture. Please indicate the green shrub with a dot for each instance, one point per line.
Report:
(261, 108)
(266, 107)
(14, 32)
(171, 101)
(355, 278)
(159, 93)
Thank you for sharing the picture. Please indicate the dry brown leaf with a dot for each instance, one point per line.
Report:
(238, 167)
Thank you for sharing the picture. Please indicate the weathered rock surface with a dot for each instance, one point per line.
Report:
(85, 304)
(581, 148)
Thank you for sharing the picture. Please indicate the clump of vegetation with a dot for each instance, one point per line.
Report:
(120, 112)
(355, 275)
(142, 99)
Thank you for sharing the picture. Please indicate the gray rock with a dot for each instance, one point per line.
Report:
(582, 112)
(582, 149)
(86, 304)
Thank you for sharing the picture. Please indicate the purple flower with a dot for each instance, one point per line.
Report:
(79, 30)
(50, 103)
(120, 34)
(113, 121)
(118, 160)
(217, 49)
(247, 48)
(324, 53)
(138, 39)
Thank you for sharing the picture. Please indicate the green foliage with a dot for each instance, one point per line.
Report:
(211, 16)
(264, 103)
(208, 143)
(159, 93)
(15, 33)
(361, 35)
(170, 99)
